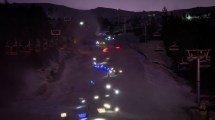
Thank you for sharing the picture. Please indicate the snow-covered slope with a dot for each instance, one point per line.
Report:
(148, 89)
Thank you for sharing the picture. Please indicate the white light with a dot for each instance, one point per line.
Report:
(111, 69)
(120, 71)
(116, 91)
(94, 59)
(108, 86)
(107, 95)
(63, 115)
(99, 119)
(96, 97)
(97, 42)
(106, 105)
(81, 23)
(116, 109)
(83, 119)
(79, 107)
(83, 101)
(94, 63)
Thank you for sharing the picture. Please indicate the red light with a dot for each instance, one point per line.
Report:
(117, 47)
(105, 50)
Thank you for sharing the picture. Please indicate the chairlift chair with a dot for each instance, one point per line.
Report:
(27, 48)
(37, 47)
(174, 47)
(183, 65)
(12, 50)
(55, 32)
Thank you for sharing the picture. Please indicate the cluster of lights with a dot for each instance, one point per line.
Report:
(106, 107)
(103, 67)
(100, 43)
(109, 38)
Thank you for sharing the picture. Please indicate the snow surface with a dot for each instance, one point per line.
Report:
(148, 88)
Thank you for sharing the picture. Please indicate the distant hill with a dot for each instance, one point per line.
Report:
(60, 11)
(63, 11)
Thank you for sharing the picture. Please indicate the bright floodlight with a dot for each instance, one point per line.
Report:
(106, 105)
(120, 71)
(116, 109)
(116, 91)
(63, 115)
(81, 23)
(108, 86)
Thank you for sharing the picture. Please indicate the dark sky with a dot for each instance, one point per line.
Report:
(130, 5)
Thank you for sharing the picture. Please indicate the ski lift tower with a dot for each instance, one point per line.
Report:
(55, 36)
(200, 55)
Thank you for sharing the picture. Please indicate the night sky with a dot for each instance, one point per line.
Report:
(130, 5)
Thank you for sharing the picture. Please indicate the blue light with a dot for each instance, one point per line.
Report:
(92, 82)
(82, 115)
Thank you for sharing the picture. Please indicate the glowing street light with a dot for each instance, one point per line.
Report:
(81, 23)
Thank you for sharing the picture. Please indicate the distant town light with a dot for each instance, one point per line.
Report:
(188, 17)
